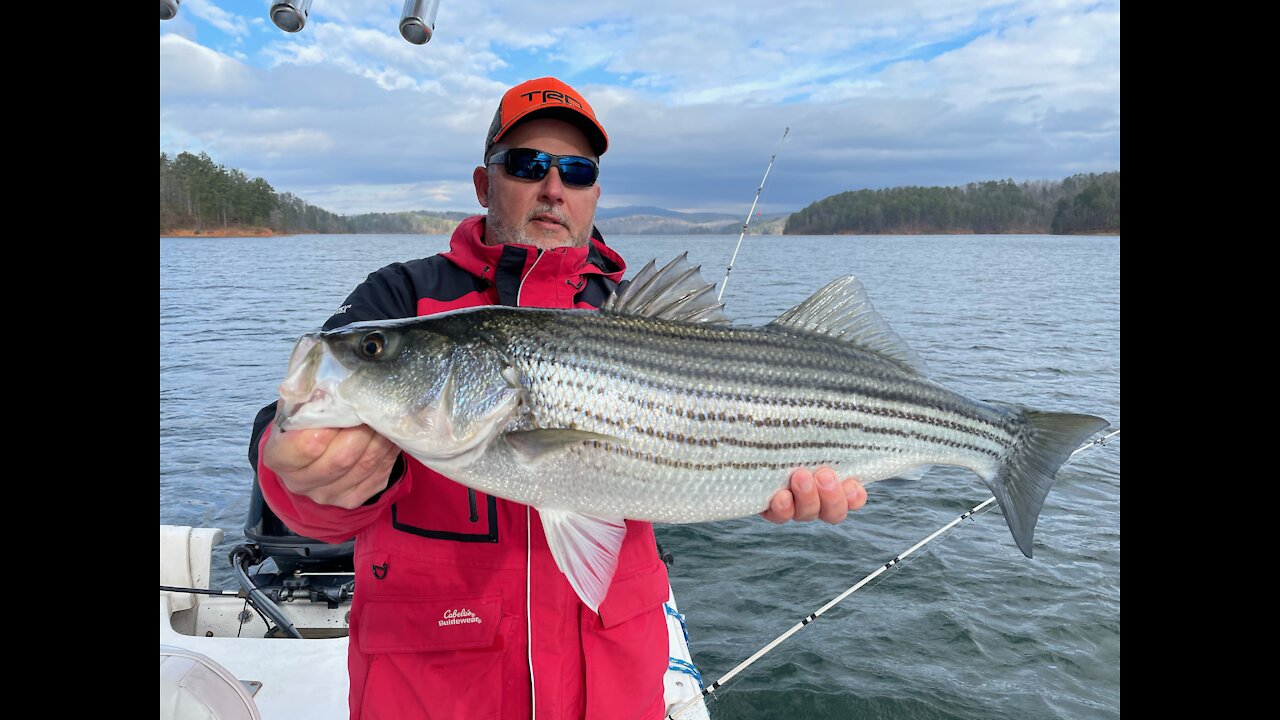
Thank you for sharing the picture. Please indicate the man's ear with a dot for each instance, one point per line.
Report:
(481, 179)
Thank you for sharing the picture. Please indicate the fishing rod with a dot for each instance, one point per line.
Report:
(746, 222)
(710, 689)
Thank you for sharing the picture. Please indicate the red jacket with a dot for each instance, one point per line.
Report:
(439, 624)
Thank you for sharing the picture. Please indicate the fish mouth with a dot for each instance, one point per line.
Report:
(309, 395)
(291, 406)
(300, 382)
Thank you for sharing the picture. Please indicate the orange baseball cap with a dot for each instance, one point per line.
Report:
(546, 97)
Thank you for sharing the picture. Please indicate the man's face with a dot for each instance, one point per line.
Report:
(545, 213)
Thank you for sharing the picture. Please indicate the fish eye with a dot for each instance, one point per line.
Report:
(371, 346)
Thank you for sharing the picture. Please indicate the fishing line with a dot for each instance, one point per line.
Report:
(725, 282)
(980, 508)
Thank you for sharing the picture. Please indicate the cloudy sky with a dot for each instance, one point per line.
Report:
(694, 95)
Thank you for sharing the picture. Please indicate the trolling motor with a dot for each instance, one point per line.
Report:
(265, 591)
(308, 569)
(290, 551)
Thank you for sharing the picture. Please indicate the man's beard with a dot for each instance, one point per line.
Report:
(499, 231)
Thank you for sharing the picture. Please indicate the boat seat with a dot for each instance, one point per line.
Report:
(186, 554)
(194, 687)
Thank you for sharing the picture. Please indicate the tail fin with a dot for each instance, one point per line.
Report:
(1021, 484)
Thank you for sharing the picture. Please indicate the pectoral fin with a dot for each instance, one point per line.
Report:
(533, 446)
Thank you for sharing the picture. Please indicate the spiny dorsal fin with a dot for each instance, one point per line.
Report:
(842, 310)
(676, 292)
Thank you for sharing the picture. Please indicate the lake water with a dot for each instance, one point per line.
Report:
(968, 628)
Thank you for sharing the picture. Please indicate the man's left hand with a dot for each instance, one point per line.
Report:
(815, 495)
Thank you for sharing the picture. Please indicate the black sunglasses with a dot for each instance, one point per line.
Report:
(530, 164)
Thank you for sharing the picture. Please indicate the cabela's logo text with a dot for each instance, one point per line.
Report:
(458, 617)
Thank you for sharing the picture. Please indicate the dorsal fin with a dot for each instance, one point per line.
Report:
(842, 310)
(676, 292)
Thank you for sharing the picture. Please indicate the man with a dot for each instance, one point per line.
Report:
(461, 610)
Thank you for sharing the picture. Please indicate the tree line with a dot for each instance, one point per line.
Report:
(199, 195)
(1080, 204)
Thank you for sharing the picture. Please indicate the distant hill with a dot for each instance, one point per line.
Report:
(639, 211)
(418, 222)
(617, 212)
(634, 220)
(1081, 204)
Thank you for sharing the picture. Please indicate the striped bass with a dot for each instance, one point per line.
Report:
(657, 408)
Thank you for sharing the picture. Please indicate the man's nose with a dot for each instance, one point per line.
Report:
(552, 188)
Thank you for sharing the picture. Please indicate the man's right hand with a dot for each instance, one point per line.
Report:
(331, 466)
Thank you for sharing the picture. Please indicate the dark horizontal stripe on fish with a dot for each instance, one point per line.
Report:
(738, 356)
(680, 439)
(705, 441)
(915, 392)
(790, 401)
(601, 330)
(651, 458)
(660, 388)
(646, 335)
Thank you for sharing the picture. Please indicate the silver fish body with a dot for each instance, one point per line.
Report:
(698, 422)
(626, 413)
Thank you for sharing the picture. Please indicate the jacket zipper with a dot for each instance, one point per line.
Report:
(528, 607)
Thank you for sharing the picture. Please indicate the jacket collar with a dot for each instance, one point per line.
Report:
(468, 251)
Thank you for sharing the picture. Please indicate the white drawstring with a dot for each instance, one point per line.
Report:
(528, 605)
(528, 544)
(526, 277)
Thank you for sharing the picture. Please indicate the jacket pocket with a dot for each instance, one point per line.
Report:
(625, 653)
(404, 625)
(433, 657)
(441, 509)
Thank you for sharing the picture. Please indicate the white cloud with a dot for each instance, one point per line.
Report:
(694, 97)
(1066, 62)
(190, 70)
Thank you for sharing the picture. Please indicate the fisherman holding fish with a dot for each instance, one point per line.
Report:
(462, 610)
